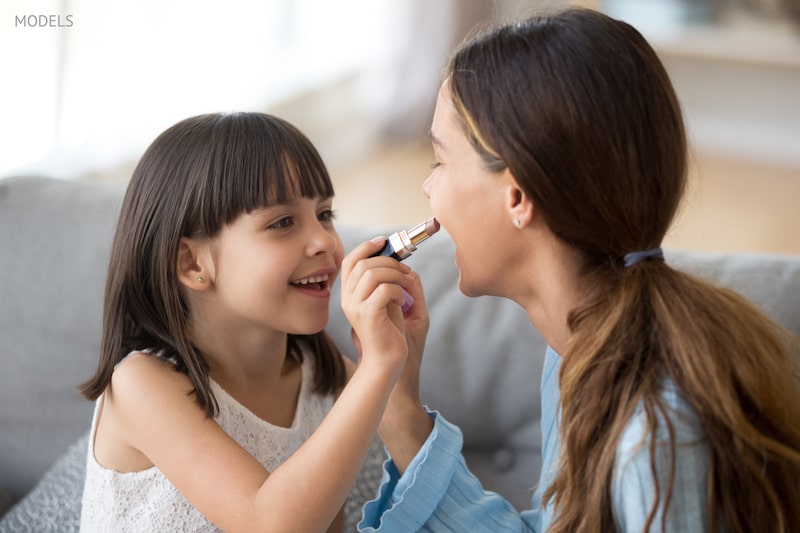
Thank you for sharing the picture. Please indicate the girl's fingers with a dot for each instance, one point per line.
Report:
(365, 250)
(361, 258)
(363, 274)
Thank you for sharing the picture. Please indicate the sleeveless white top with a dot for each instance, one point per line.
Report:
(148, 501)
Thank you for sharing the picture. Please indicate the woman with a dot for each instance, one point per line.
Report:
(668, 403)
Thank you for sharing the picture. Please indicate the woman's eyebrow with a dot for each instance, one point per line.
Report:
(435, 140)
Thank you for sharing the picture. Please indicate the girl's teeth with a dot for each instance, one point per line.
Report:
(315, 279)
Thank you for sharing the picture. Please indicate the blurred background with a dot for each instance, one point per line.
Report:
(88, 84)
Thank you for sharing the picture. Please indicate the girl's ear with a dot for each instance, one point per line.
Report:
(192, 268)
(519, 206)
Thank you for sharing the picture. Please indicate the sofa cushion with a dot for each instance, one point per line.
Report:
(54, 242)
(481, 368)
(54, 504)
(483, 359)
(770, 281)
(5, 501)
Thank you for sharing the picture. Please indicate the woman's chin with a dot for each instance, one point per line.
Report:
(467, 289)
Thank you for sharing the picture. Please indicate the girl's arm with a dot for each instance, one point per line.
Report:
(405, 424)
(158, 417)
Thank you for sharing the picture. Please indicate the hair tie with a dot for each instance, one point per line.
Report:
(635, 257)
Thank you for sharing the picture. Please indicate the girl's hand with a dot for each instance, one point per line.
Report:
(405, 424)
(372, 296)
(417, 323)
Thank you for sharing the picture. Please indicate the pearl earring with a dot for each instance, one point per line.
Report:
(201, 279)
(517, 222)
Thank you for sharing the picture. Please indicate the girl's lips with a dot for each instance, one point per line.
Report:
(318, 290)
(311, 280)
(316, 284)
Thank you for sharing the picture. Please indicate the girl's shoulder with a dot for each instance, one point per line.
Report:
(146, 400)
(145, 359)
(147, 372)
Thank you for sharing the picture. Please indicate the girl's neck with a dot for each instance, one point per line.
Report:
(245, 361)
(266, 381)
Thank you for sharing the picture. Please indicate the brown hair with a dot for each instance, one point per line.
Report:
(195, 178)
(580, 109)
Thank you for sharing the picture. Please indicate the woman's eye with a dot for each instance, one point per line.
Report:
(283, 223)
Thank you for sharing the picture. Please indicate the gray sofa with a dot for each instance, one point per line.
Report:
(481, 369)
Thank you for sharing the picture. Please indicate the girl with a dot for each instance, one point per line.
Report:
(216, 383)
(668, 404)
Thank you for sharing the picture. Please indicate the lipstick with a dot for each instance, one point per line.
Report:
(402, 244)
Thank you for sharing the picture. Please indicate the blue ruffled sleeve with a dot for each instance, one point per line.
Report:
(438, 493)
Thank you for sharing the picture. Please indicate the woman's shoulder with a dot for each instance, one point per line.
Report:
(646, 461)
(675, 411)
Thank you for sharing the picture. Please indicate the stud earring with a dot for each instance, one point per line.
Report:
(201, 279)
(517, 222)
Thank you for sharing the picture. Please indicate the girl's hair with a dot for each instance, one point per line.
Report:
(579, 108)
(195, 178)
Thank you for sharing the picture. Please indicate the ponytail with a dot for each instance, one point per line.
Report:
(730, 362)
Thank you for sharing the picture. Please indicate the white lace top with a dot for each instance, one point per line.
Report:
(147, 501)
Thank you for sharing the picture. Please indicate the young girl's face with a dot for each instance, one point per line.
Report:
(275, 266)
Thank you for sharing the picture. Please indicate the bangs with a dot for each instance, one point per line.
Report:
(259, 160)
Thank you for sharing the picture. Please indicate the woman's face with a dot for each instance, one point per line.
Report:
(467, 200)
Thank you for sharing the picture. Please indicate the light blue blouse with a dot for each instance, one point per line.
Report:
(438, 493)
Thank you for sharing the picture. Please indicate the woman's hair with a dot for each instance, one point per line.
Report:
(196, 177)
(579, 108)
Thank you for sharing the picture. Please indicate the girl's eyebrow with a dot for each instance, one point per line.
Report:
(290, 202)
(268, 209)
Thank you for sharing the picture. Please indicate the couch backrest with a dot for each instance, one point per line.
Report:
(482, 364)
(483, 360)
(54, 242)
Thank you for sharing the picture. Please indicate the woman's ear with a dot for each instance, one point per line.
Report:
(519, 206)
(192, 268)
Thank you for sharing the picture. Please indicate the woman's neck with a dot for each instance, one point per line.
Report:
(553, 289)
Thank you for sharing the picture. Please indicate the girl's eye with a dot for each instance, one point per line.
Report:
(283, 223)
(327, 215)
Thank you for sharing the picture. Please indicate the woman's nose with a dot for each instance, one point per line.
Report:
(426, 187)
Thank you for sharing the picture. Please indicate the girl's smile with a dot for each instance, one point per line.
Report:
(274, 267)
(317, 284)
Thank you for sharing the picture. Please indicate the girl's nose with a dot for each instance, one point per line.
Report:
(323, 239)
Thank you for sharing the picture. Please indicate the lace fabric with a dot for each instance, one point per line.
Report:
(148, 501)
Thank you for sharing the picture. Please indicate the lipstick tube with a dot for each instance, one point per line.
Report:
(402, 244)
